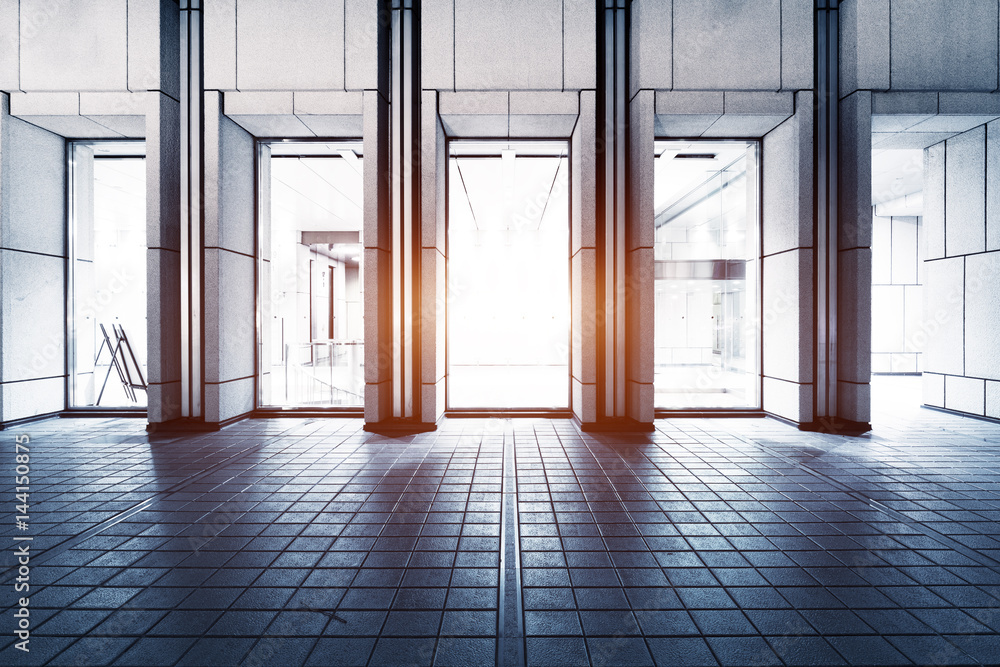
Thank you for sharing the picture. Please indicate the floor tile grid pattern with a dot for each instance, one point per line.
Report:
(946, 650)
(206, 554)
(765, 546)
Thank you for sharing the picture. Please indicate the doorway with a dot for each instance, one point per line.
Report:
(508, 307)
(107, 278)
(310, 292)
(898, 326)
(707, 275)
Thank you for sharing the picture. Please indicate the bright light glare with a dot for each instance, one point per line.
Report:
(110, 280)
(508, 280)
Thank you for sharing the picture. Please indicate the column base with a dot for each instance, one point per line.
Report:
(189, 425)
(836, 426)
(399, 427)
(616, 425)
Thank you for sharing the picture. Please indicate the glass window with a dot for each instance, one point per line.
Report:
(108, 276)
(707, 252)
(312, 311)
(508, 305)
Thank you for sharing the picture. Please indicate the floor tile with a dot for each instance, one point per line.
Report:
(735, 542)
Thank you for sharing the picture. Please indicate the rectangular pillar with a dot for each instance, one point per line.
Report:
(787, 299)
(854, 274)
(583, 277)
(843, 236)
(639, 294)
(191, 228)
(404, 161)
(433, 288)
(163, 260)
(377, 260)
(229, 266)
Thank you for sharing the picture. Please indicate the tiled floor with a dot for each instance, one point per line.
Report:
(290, 542)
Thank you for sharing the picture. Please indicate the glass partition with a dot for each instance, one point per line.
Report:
(707, 267)
(107, 347)
(311, 277)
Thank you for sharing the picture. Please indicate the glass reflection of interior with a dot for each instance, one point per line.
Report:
(706, 275)
(109, 276)
(508, 276)
(312, 315)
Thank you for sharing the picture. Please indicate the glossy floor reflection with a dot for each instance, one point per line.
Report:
(291, 542)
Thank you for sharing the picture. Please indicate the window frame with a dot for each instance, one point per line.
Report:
(757, 410)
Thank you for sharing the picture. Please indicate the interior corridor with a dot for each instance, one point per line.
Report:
(726, 541)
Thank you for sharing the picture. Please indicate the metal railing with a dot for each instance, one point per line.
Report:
(329, 372)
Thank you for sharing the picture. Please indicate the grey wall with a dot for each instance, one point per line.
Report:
(787, 268)
(516, 45)
(962, 269)
(99, 45)
(705, 68)
(229, 291)
(95, 70)
(764, 45)
(256, 45)
(912, 45)
(377, 259)
(32, 269)
(640, 236)
(854, 258)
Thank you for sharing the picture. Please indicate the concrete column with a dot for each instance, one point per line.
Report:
(433, 287)
(163, 219)
(404, 161)
(583, 235)
(787, 299)
(393, 235)
(32, 269)
(624, 399)
(264, 285)
(639, 293)
(230, 309)
(854, 294)
(378, 259)
(153, 66)
(82, 389)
